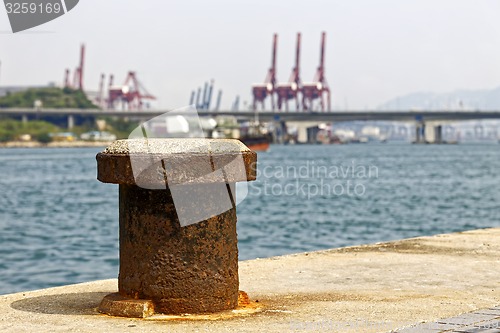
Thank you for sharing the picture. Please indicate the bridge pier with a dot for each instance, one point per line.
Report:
(24, 119)
(302, 134)
(433, 135)
(420, 133)
(71, 121)
(312, 134)
(479, 132)
(438, 134)
(306, 131)
(280, 132)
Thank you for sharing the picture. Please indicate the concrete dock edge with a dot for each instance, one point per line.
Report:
(371, 288)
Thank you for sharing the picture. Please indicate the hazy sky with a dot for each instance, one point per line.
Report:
(376, 49)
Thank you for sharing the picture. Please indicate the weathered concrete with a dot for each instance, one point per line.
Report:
(373, 288)
(176, 266)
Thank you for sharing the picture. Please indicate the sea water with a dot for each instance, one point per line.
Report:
(59, 225)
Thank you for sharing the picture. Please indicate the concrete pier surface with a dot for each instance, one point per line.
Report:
(372, 288)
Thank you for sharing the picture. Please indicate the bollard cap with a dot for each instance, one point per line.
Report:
(155, 162)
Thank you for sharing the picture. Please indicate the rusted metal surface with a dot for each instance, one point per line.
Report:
(190, 269)
(182, 269)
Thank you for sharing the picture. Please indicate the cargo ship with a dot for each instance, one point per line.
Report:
(253, 134)
(260, 142)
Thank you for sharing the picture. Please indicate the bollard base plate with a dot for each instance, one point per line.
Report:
(121, 306)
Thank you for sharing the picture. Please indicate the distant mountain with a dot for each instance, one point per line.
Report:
(456, 100)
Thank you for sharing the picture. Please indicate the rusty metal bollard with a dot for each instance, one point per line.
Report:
(177, 216)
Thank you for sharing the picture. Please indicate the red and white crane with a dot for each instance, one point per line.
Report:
(317, 89)
(290, 90)
(130, 96)
(78, 74)
(262, 90)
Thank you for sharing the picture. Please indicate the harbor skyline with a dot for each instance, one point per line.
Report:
(374, 52)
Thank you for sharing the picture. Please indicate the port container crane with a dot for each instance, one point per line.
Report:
(261, 91)
(318, 89)
(290, 90)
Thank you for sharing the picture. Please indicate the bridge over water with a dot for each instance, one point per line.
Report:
(434, 119)
(334, 116)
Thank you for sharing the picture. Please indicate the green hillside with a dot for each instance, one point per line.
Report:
(10, 130)
(50, 97)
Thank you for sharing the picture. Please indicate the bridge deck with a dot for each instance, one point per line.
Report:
(335, 116)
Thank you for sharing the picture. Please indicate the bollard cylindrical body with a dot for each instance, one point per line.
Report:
(189, 269)
(178, 244)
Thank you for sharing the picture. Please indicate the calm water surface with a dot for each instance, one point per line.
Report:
(59, 225)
